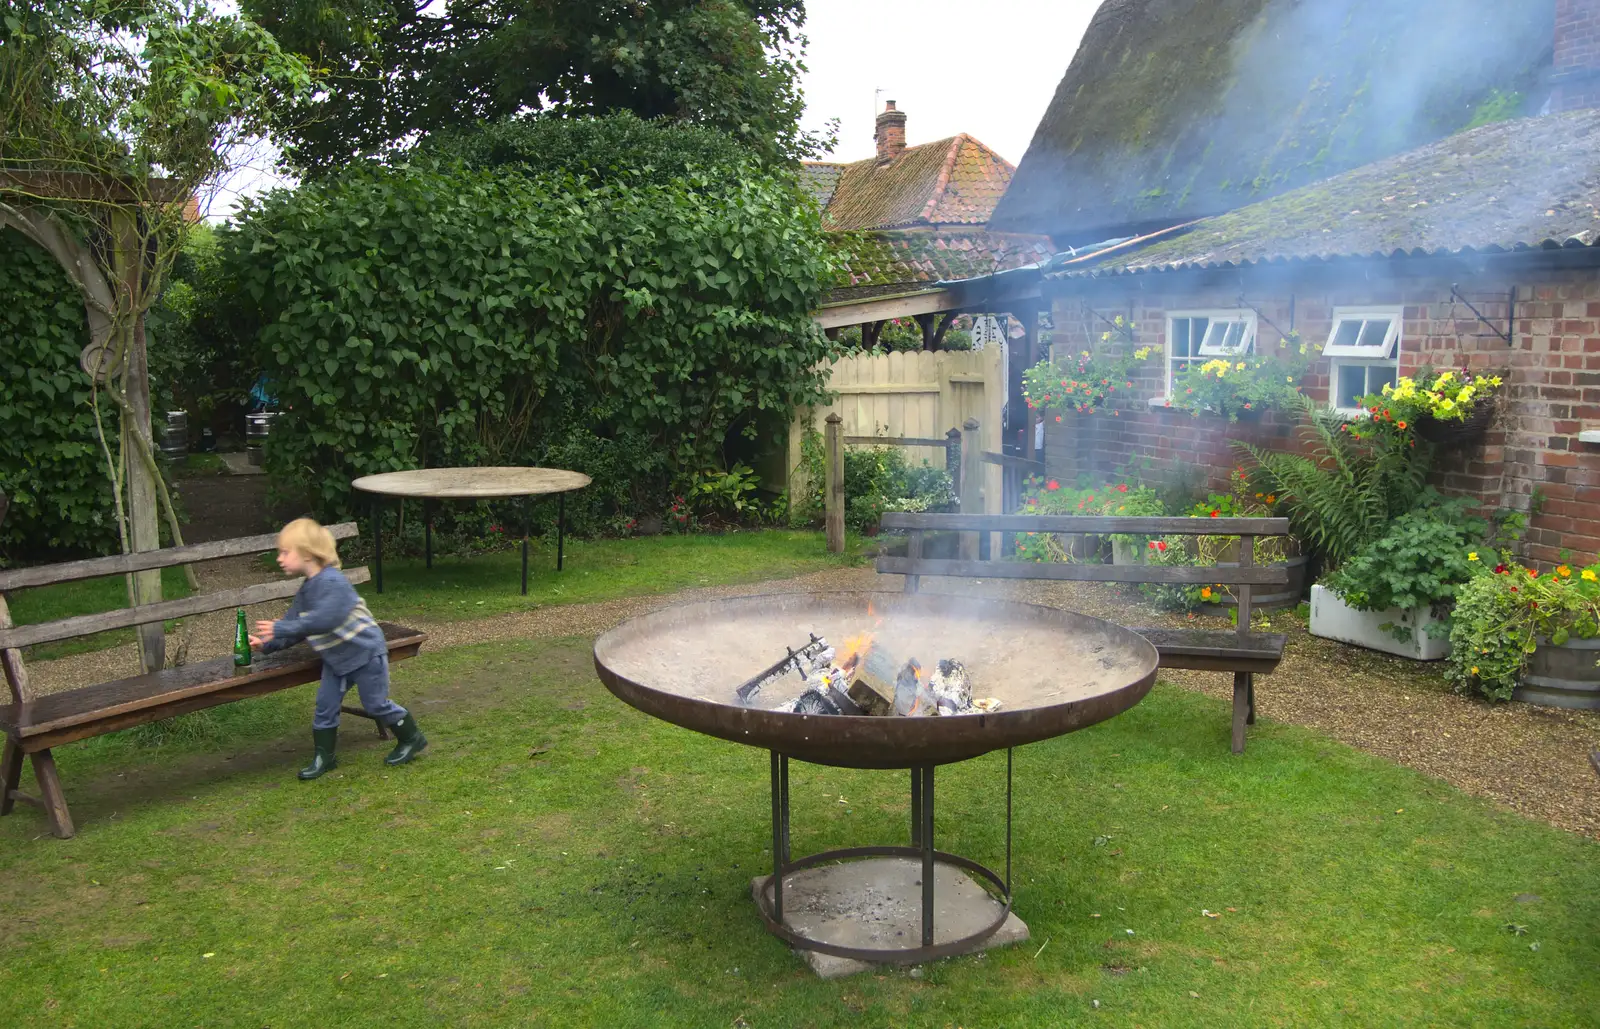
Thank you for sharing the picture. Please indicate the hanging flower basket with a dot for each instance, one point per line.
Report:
(1456, 431)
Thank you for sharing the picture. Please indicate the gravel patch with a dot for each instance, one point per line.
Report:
(1532, 760)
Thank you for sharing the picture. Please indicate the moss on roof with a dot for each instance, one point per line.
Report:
(1177, 109)
(954, 181)
(1509, 184)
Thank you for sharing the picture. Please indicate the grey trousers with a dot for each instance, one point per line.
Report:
(371, 681)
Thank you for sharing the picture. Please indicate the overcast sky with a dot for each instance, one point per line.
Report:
(984, 67)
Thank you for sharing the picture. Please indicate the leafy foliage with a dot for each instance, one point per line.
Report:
(1348, 490)
(1502, 615)
(1419, 562)
(1246, 384)
(398, 73)
(432, 315)
(1088, 379)
(50, 464)
(876, 480)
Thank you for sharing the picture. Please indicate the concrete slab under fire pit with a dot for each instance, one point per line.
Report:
(877, 902)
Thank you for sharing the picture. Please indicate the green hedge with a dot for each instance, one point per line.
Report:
(434, 315)
(50, 463)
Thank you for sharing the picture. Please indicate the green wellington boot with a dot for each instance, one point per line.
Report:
(409, 741)
(322, 760)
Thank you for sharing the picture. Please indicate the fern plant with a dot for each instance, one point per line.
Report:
(1345, 489)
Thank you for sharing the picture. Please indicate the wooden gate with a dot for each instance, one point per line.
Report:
(916, 394)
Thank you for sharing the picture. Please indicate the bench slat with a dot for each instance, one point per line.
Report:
(1216, 649)
(113, 701)
(145, 560)
(1099, 524)
(1255, 575)
(83, 625)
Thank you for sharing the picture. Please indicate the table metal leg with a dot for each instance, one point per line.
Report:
(916, 807)
(561, 526)
(427, 532)
(526, 529)
(377, 541)
(1008, 821)
(779, 817)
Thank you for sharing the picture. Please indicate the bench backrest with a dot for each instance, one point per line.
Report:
(1244, 575)
(12, 639)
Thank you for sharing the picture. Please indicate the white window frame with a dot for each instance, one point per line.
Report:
(1208, 349)
(1385, 354)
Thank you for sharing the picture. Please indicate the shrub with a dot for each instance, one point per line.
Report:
(1502, 615)
(51, 465)
(876, 479)
(433, 315)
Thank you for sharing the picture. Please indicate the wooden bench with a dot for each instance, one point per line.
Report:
(1238, 650)
(35, 724)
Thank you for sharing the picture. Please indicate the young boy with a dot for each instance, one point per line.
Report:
(328, 613)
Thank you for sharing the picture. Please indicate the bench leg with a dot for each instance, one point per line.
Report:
(1241, 708)
(55, 801)
(10, 776)
(1250, 695)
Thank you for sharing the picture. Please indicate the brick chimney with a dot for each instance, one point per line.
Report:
(1577, 55)
(891, 133)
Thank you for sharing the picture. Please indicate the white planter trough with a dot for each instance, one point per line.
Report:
(1333, 619)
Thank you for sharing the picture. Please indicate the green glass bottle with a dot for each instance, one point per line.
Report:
(241, 643)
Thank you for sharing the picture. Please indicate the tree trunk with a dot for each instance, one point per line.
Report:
(144, 528)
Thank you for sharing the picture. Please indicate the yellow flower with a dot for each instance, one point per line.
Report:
(1589, 575)
(1473, 556)
(1564, 572)
(1290, 381)
(1447, 404)
(1443, 378)
(1474, 669)
(1239, 367)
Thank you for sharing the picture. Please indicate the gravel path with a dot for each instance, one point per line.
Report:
(1533, 760)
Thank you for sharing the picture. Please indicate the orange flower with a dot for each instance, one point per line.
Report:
(1205, 593)
(1401, 423)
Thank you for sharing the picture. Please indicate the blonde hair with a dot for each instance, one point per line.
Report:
(311, 540)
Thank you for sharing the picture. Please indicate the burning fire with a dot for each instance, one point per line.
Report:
(853, 651)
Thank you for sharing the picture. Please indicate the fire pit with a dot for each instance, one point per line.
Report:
(737, 669)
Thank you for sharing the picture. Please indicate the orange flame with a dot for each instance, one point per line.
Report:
(853, 651)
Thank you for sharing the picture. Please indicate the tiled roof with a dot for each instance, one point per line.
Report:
(1529, 183)
(903, 256)
(820, 179)
(955, 181)
(1180, 109)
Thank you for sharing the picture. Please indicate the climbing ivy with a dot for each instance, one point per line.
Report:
(50, 464)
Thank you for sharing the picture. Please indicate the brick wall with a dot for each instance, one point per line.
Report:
(1531, 450)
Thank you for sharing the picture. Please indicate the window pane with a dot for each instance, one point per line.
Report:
(1379, 376)
(1348, 332)
(1373, 333)
(1351, 385)
(1235, 336)
(1180, 337)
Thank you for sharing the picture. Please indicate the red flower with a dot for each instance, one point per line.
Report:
(1247, 407)
(1161, 545)
(1216, 514)
(1058, 419)
(1052, 485)
(1532, 574)
(1513, 589)
(1499, 569)
(1122, 488)
(1152, 544)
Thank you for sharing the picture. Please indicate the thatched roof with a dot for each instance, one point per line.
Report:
(1179, 109)
(1524, 184)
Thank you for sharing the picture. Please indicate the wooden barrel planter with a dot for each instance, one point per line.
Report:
(1563, 676)
(1281, 597)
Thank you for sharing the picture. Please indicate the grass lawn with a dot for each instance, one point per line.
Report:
(85, 597)
(558, 859)
(594, 570)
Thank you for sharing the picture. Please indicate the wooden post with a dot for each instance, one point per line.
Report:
(1030, 348)
(971, 483)
(952, 458)
(143, 513)
(1244, 707)
(833, 491)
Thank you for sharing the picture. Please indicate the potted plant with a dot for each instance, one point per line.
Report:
(1087, 380)
(1449, 407)
(1521, 634)
(1394, 595)
(1241, 501)
(1246, 386)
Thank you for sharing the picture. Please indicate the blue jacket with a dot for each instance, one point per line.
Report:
(327, 613)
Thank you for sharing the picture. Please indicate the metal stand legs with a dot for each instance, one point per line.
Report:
(377, 541)
(526, 530)
(561, 528)
(770, 897)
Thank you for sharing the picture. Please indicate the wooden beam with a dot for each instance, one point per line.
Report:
(70, 571)
(1097, 524)
(55, 184)
(84, 625)
(877, 309)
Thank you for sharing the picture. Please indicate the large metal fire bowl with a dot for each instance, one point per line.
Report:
(1053, 671)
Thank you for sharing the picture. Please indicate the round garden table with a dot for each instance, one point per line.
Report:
(430, 484)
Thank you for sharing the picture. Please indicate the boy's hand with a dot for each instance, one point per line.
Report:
(263, 632)
(256, 641)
